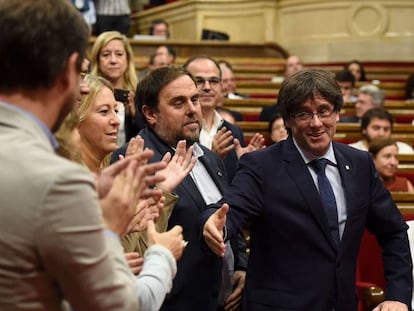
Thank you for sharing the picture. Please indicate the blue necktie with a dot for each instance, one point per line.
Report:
(327, 197)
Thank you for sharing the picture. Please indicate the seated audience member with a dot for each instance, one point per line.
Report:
(159, 27)
(357, 69)
(346, 81)
(168, 51)
(384, 151)
(293, 64)
(377, 123)
(228, 86)
(228, 81)
(409, 88)
(163, 56)
(277, 129)
(369, 96)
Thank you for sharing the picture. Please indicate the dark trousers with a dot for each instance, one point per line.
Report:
(112, 22)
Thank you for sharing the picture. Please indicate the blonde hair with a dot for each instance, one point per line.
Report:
(64, 135)
(96, 84)
(130, 79)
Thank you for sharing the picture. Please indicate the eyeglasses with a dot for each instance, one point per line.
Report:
(213, 81)
(323, 115)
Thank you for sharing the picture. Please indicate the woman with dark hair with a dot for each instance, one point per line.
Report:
(384, 152)
(357, 69)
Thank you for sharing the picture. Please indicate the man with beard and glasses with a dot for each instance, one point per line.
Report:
(378, 123)
(169, 100)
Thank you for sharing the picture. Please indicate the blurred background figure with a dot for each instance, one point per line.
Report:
(369, 96)
(385, 154)
(112, 58)
(112, 15)
(277, 129)
(357, 69)
(293, 64)
(346, 81)
(378, 123)
(409, 88)
(228, 81)
(160, 27)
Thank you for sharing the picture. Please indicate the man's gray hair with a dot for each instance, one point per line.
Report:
(375, 92)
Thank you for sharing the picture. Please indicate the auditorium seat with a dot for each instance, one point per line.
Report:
(370, 271)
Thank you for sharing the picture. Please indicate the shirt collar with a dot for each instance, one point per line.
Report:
(308, 157)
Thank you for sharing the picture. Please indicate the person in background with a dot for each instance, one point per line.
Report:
(112, 16)
(357, 69)
(409, 88)
(346, 81)
(378, 123)
(277, 129)
(307, 201)
(369, 96)
(384, 151)
(56, 241)
(159, 27)
(217, 134)
(87, 9)
(228, 81)
(112, 58)
(168, 51)
(293, 64)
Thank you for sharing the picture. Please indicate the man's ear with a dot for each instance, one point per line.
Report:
(70, 74)
(149, 115)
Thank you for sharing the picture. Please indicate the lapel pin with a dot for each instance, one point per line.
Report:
(220, 174)
(347, 167)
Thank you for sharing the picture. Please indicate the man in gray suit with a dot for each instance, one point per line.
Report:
(55, 242)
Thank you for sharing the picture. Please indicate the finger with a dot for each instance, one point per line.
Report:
(115, 168)
(166, 158)
(222, 211)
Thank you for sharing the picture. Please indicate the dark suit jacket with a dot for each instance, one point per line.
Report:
(230, 160)
(294, 263)
(197, 283)
(268, 112)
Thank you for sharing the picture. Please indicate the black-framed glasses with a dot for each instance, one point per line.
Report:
(305, 116)
(213, 81)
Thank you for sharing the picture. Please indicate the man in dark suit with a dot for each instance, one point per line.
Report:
(303, 248)
(216, 133)
(169, 100)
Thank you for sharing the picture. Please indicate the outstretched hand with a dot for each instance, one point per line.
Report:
(213, 230)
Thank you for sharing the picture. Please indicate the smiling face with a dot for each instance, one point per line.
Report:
(99, 129)
(113, 61)
(386, 161)
(377, 128)
(314, 136)
(179, 113)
